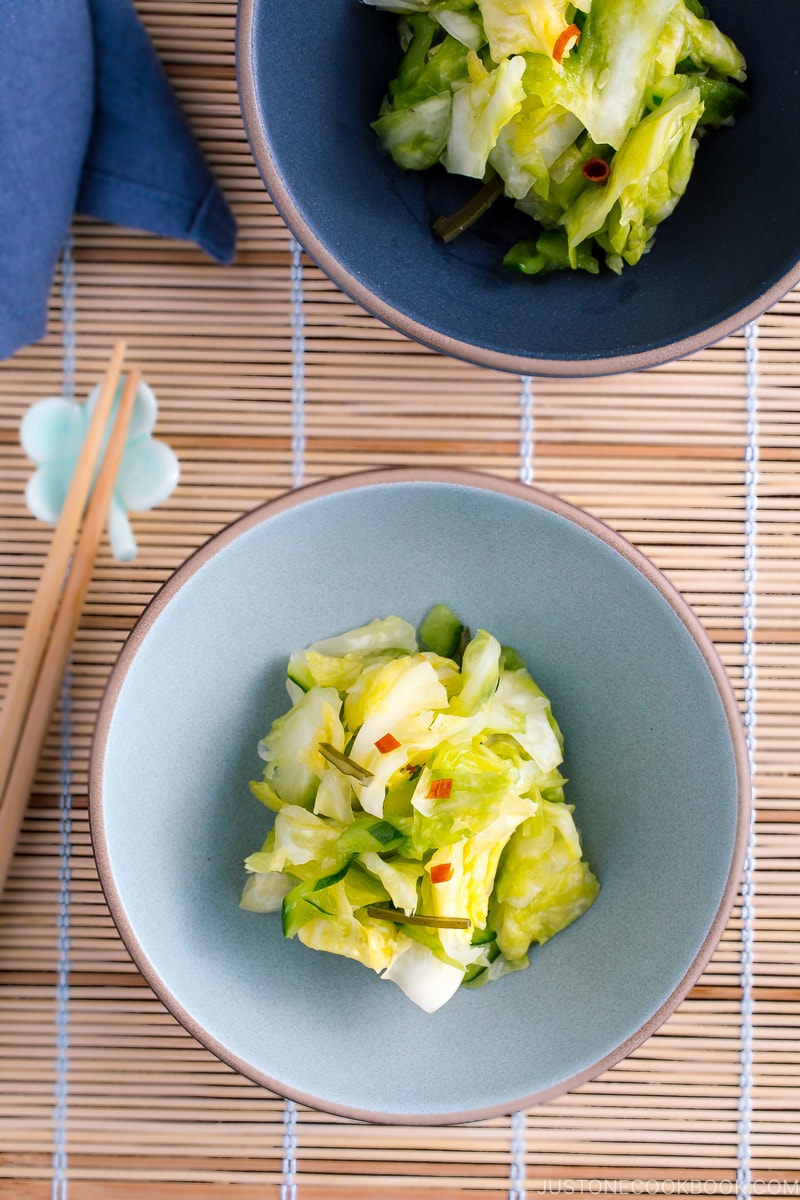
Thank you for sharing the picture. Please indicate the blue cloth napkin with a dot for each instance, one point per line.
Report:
(89, 123)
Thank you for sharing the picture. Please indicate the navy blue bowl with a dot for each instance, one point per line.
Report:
(311, 79)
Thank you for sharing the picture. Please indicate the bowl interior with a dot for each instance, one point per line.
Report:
(309, 90)
(653, 759)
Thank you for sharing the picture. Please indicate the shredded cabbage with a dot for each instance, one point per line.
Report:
(526, 92)
(421, 827)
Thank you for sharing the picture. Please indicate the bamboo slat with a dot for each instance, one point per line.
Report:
(133, 1103)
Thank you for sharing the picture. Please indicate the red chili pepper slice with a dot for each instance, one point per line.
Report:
(387, 743)
(596, 170)
(441, 872)
(568, 38)
(440, 789)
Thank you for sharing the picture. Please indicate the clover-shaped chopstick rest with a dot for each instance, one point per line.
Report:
(52, 434)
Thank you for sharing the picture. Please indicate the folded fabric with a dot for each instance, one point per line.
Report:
(89, 123)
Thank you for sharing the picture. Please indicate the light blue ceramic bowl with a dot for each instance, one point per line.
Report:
(655, 757)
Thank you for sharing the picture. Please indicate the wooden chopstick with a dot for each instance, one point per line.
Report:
(40, 618)
(45, 658)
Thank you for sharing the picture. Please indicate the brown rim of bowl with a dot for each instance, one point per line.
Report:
(463, 478)
(444, 344)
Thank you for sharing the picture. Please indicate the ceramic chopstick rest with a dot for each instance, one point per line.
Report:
(52, 433)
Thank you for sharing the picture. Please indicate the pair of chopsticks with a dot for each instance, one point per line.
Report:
(54, 616)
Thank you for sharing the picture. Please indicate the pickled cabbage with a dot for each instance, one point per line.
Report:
(559, 102)
(420, 820)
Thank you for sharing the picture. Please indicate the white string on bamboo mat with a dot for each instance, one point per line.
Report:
(289, 1186)
(289, 1166)
(61, 1087)
(298, 365)
(516, 1190)
(527, 430)
(743, 1175)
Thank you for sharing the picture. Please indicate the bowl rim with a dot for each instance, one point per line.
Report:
(356, 481)
(395, 318)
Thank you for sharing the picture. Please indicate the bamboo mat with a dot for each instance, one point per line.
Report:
(267, 376)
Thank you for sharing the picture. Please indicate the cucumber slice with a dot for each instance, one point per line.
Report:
(441, 631)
